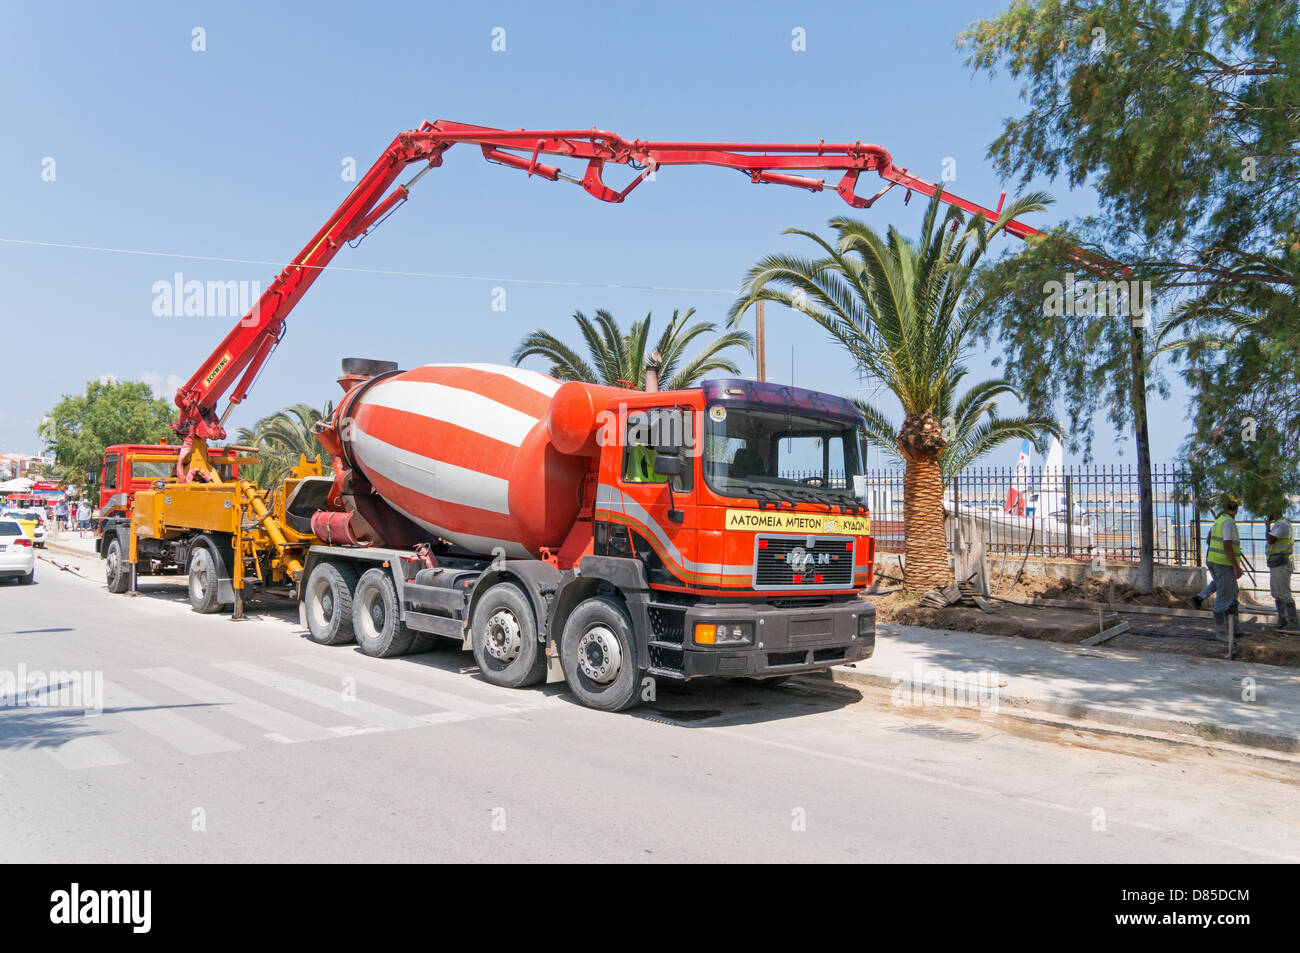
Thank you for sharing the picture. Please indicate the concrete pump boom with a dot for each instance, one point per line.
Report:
(236, 362)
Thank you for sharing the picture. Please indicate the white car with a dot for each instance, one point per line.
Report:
(32, 520)
(17, 555)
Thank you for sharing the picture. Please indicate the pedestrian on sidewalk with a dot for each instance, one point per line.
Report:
(1280, 539)
(61, 515)
(1224, 561)
(83, 516)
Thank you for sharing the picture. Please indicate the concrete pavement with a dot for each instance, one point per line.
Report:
(225, 741)
(1149, 692)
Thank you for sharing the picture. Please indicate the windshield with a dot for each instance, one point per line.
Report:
(777, 456)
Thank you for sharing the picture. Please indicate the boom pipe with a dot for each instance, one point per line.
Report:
(234, 365)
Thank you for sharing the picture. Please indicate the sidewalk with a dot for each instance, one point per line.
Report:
(71, 542)
(1138, 692)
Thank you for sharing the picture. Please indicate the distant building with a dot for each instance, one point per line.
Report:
(15, 465)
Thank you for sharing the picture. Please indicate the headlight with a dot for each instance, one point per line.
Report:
(723, 633)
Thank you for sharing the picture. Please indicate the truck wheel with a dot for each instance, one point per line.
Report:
(376, 618)
(117, 570)
(327, 598)
(598, 653)
(203, 581)
(503, 633)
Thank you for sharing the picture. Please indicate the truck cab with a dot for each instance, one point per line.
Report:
(741, 503)
(129, 468)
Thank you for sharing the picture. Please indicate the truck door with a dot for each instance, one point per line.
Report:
(660, 508)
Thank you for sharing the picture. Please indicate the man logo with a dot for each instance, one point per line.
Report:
(799, 559)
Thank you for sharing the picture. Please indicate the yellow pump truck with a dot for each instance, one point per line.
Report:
(229, 535)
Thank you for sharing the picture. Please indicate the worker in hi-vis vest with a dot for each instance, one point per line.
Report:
(1280, 540)
(1224, 562)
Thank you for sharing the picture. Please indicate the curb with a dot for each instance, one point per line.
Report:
(69, 551)
(1137, 722)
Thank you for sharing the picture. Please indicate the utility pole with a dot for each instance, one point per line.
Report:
(760, 362)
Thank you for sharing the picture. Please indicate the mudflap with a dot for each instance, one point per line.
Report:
(554, 669)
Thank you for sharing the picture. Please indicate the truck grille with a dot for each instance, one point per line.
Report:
(803, 562)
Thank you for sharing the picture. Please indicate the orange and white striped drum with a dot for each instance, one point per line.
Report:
(465, 451)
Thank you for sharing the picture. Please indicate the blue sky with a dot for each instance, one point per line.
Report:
(236, 151)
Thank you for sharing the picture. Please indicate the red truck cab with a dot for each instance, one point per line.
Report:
(131, 467)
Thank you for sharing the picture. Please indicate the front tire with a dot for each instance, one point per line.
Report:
(598, 653)
(503, 633)
(117, 571)
(327, 598)
(376, 617)
(204, 596)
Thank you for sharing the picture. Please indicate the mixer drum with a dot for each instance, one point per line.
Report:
(464, 451)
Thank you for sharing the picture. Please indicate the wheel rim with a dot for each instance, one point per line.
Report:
(503, 639)
(372, 614)
(200, 569)
(599, 655)
(322, 602)
(114, 558)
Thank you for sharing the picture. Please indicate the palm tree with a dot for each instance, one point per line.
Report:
(900, 309)
(971, 425)
(619, 358)
(281, 438)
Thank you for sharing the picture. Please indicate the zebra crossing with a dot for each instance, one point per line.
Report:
(230, 705)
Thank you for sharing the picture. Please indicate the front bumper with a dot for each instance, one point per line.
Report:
(786, 641)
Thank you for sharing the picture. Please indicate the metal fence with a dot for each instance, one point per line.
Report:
(1071, 512)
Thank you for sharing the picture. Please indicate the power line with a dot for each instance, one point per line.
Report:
(367, 271)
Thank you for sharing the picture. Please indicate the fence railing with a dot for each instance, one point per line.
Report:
(1074, 512)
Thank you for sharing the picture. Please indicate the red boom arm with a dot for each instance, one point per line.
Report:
(235, 363)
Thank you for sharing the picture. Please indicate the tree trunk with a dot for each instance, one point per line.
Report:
(926, 563)
(1146, 498)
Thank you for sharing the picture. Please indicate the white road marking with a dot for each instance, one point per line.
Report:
(404, 689)
(176, 730)
(87, 752)
(372, 716)
(280, 726)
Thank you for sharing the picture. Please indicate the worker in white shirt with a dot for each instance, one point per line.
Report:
(1280, 539)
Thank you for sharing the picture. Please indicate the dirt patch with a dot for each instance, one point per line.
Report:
(1094, 590)
(1269, 648)
(1256, 642)
(1026, 622)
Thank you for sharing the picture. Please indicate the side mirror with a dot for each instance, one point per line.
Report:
(668, 464)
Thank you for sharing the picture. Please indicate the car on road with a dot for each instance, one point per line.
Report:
(30, 520)
(17, 554)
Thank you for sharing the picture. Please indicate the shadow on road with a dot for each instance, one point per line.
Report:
(26, 728)
(699, 703)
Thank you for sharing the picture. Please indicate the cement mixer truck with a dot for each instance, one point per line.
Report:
(559, 530)
(600, 536)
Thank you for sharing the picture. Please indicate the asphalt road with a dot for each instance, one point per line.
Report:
(244, 741)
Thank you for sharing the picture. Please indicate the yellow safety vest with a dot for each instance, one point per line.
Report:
(1282, 545)
(1218, 553)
